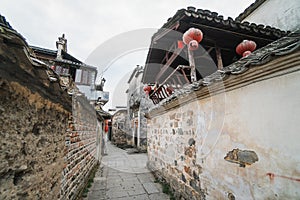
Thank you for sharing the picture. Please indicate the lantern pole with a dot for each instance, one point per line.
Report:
(192, 65)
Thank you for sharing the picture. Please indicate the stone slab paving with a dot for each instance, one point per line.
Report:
(123, 176)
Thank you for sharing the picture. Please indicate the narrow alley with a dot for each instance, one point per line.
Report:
(124, 176)
(180, 100)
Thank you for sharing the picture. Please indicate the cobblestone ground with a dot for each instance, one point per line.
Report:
(124, 176)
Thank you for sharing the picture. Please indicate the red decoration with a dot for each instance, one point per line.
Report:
(170, 90)
(246, 53)
(246, 45)
(52, 67)
(147, 89)
(106, 126)
(192, 34)
(193, 45)
(180, 44)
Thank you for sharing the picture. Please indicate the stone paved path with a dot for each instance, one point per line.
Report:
(124, 176)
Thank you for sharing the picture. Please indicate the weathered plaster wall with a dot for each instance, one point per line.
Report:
(187, 145)
(32, 143)
(284, 15)
(120, 135)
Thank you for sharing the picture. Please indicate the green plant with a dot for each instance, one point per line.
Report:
(166, 188)
(89, 182)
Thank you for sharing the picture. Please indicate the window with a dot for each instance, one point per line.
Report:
(84, 76)
(61, 70)
(78, 76)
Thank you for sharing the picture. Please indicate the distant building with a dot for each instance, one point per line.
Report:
(119, 123)
(65, 65)
(137, 107)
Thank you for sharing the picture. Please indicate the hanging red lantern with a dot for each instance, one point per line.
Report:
(170, 90)
(147, 89)
(246, 53)
(246, 45)
(193, 45)
(192, 34)
(106, 126)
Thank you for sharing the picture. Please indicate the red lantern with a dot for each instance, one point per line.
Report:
(246, 45)
(180, 44)
(147, 89)
(170, 90)
(193, 45)
(246, 53)
(106, 126)
(192, 34)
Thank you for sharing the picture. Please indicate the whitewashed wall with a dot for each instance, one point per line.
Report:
(262, 117)
(284, 15)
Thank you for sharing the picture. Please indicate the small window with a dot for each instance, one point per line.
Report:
(61, 70)
(85, 77)
(78, 76)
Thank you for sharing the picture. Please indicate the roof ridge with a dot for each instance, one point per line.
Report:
(249, 9)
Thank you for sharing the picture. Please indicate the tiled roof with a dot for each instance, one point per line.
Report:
(249, 10)
(206, 17)
(44, 51)
(104, 114)
(283, 46)
(67, 58)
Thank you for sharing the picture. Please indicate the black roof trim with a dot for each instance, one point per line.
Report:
(43, 50)
(207, 17)
(249, 10)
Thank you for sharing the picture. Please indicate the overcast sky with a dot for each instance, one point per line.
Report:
(89, 24)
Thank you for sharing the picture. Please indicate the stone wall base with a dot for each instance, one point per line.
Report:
(180, 190)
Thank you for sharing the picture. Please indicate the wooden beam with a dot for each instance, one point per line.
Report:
(166, 31)
(184, 75)
(167, 65)
(193, 67)
(219, 58)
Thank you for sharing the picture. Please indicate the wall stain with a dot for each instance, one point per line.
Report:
(241, 157)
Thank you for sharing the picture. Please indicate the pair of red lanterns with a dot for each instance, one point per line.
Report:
(194, 36)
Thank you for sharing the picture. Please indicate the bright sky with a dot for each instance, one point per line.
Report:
(93, 25)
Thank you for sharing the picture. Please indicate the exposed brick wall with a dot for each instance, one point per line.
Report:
(82, 149)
